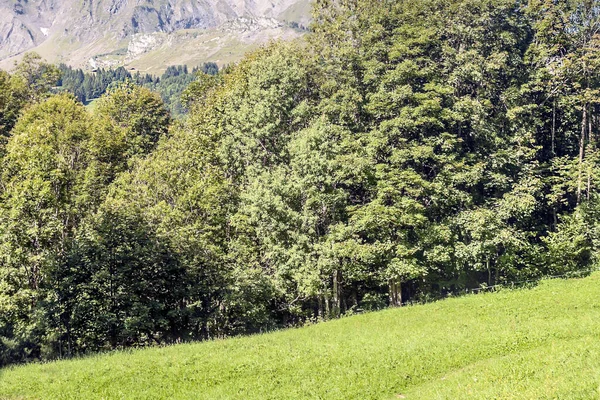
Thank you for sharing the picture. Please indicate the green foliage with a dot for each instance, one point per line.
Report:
(121, 284)
(59, 162)
(137, 110)
(38, 76)
(571, 245)
(175, 81)
(44, 179)
(88, 86)
(12, 99)
(30, 82)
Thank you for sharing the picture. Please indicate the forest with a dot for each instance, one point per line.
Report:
(402, 151)
(88, 86)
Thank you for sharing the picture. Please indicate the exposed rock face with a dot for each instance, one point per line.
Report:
(142, 43)
(27, 24)
(14, 35)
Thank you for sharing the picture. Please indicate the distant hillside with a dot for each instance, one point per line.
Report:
(526, 344)
(146, 34)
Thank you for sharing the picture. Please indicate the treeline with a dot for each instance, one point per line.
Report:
(174, 81)
(403, 151)
(87, 86)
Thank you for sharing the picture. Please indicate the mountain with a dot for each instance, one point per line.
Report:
(146, 34)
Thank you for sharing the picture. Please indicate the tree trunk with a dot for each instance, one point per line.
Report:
(496, 276)
(553, 125)
(320, 300)
(354, 297)
(581, 153)
(69, 340)
(337, 293)
(590, 118)
(395, 293)
(589, 182)
(589, 139)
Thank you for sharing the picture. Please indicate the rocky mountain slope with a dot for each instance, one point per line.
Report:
(110, 32)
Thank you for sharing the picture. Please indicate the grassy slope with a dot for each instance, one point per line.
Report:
(524, 344)
(194, 47)
(191, 47)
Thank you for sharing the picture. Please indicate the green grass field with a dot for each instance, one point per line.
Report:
(540, 343)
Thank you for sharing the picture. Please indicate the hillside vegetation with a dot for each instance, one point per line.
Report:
(87, 87)
(402, 151)
(540, 343)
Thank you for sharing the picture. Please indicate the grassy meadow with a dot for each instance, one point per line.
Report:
(539, 343)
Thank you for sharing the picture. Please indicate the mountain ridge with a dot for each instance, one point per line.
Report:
(90, 33)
